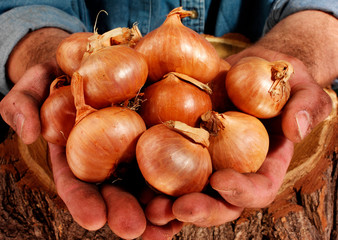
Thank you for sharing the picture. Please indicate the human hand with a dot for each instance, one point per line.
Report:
(308, 105)
(255, 190)
(90, 206)
(93, 206)
(235, 191)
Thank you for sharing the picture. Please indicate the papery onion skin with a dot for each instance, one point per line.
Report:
(112, 75)
(171, 163)
(241, 144)
(70, 51)
(103, 140)
(174, 99)
(174, 47)
(57, 115)
(249, 85)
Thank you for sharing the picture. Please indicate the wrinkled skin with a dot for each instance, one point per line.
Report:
(155, 216)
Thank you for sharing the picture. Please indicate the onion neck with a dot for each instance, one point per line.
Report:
(212, 123)
(176, 15)
(116, 36)
(82, 109)
(281, 72)
(183, 77)
(180, 12)
(197, 135)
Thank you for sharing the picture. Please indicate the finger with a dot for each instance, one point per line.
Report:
(125, 215)
(83, 200)
(308, 105)
(159, 210)
(256, 190)
(165, 232)
(203, 210)
(20, 107)
(20, 111)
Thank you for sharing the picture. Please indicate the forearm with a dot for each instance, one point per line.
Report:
(310, 36)
(36, 47)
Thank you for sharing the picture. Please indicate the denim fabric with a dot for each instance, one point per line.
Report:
(216, 17)
(283, 8)
(17, 22)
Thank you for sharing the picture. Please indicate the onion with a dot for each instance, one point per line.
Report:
(237, 140)
(57, 113)
(259, 87)
(70, 52)
(171, 162)
(112, 75)
(175, 98)
(102, 140)
(93, 153)
(174, 47)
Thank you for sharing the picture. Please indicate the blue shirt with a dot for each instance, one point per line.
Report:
(252, 18)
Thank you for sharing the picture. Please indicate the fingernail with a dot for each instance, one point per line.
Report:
(229, 192)
(18, 123)
(303, 123)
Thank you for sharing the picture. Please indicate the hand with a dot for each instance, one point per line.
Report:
(92, 206)
(308, 104)
(236, 192)
(252, 190)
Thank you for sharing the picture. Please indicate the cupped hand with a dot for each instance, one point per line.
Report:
(307, 106)
(230, 192)
(236, 191)
(92, 206)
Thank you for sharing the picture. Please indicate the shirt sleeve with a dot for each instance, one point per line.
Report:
(17, 22)
(283, 8)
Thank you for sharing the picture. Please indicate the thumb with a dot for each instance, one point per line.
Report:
(308, 105)
(20, 107)
(19, 110)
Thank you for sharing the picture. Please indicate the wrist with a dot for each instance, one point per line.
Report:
(37, 47)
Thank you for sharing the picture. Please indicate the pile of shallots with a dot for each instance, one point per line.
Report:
(155, 100)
